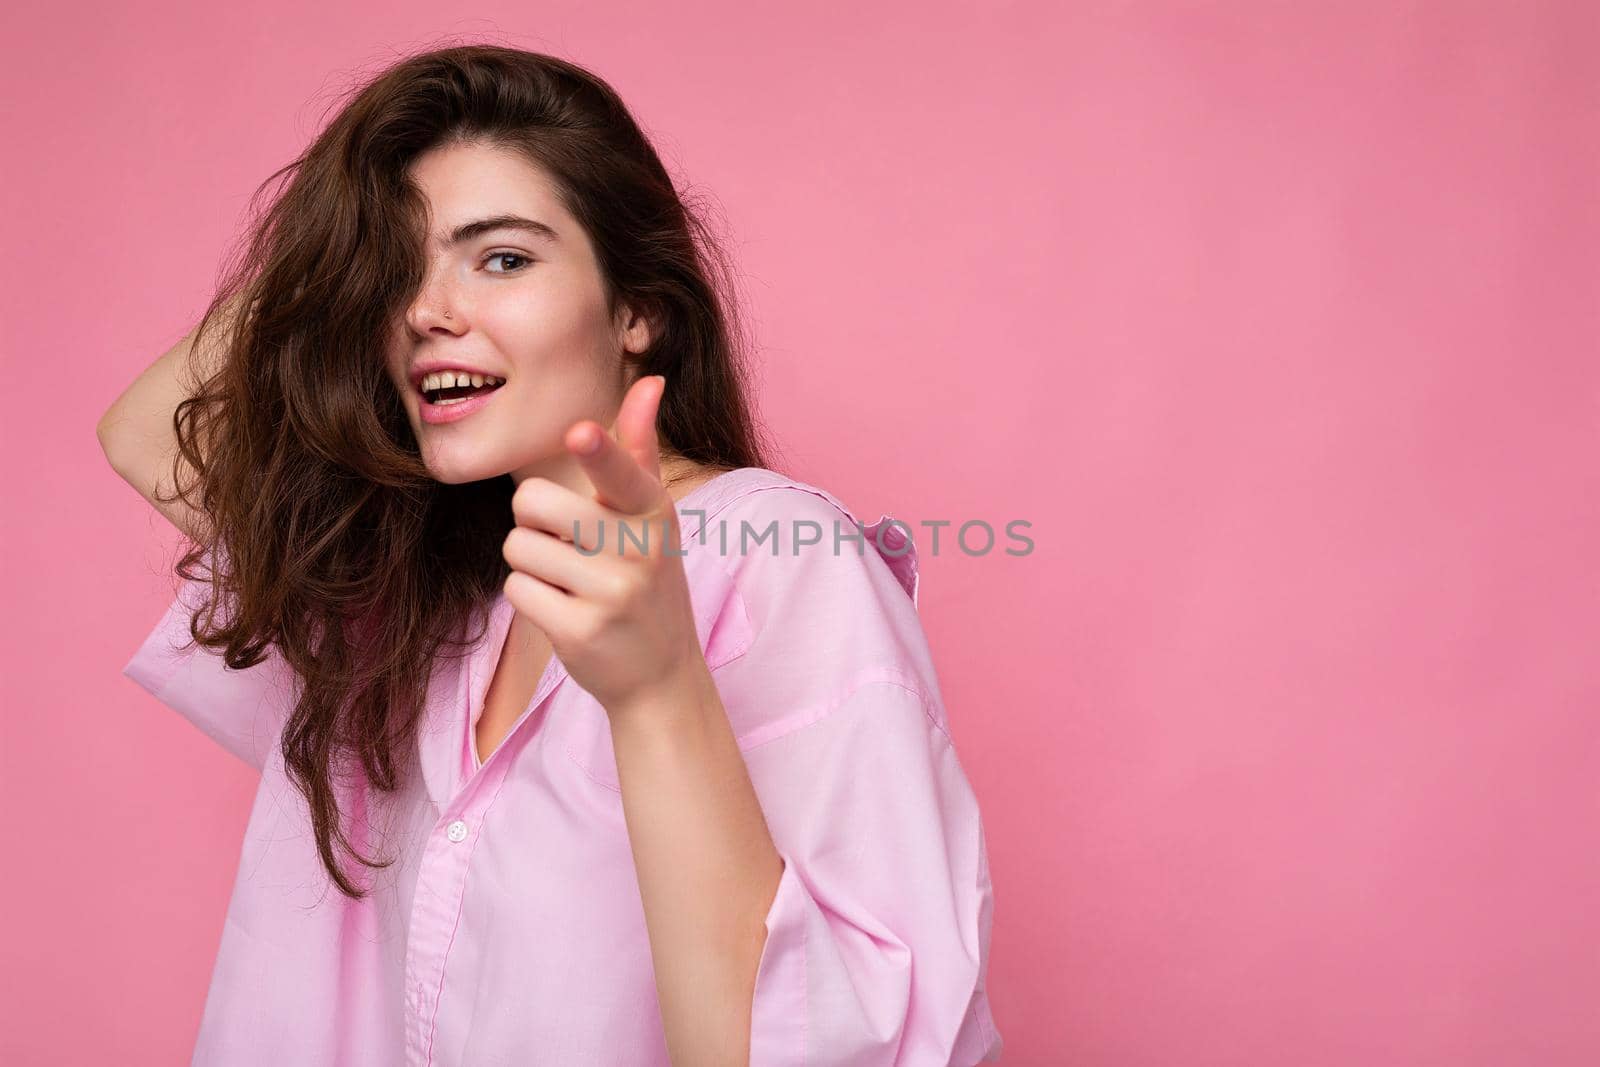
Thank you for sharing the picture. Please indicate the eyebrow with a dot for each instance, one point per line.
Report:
(468, 230)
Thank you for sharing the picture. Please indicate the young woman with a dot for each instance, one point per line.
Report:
(497, 578)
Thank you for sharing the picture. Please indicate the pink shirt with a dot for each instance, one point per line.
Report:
(511, 930)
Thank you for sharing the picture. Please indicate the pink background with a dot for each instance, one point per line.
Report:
(1277, 321)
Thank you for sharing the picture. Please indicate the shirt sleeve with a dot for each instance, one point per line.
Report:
(878, 937)
(244, 711)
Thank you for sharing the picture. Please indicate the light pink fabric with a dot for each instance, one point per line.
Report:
(510, 929)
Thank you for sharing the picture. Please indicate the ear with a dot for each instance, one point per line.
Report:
(639, 328)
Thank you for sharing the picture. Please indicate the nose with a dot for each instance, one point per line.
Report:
(435, 310)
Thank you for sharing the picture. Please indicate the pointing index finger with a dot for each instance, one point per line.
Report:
(625, 472)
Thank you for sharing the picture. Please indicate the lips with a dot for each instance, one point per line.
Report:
(436, 414)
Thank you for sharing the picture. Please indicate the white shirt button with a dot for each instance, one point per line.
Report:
(457, 831)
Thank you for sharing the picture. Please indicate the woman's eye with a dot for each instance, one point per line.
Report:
(493, 256)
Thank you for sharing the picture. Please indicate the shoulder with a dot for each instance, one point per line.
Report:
(768, 526)
(827, 601)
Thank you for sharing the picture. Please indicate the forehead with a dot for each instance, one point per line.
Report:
(466, 183)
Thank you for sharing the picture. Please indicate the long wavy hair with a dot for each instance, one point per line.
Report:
(327, 537)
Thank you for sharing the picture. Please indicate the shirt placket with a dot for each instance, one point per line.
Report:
(436, 912)
(442, 876)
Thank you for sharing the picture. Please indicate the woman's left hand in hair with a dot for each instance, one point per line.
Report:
(617, 613)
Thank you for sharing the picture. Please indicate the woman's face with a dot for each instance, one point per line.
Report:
(513, 303)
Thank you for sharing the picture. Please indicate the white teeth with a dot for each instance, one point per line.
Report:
(447, 379)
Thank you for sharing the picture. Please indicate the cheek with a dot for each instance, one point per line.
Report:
(549, 322)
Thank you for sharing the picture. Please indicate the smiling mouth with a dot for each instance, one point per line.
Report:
(455, 394)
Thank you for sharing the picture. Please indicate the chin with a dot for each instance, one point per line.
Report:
(458, 477)
(460, 472)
